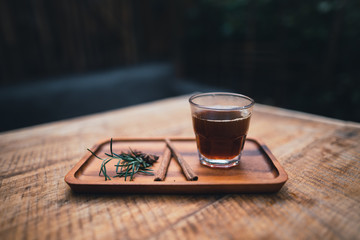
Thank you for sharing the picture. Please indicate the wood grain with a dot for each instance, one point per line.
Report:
(321, 199)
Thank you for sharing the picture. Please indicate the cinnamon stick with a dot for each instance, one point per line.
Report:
(188, 172)
(164, 165)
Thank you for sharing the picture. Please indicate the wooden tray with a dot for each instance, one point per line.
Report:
(259, 171)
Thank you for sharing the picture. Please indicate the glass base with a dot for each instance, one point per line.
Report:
(219, 163)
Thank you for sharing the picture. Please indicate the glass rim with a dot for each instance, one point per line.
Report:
(252, 102)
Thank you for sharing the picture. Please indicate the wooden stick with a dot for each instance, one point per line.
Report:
(188, 172)
(164, 165)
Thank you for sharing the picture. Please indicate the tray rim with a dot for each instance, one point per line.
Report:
(75, 183)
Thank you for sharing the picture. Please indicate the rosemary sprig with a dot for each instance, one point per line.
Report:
(128, 164)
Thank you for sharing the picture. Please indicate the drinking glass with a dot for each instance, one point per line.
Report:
(221, 122)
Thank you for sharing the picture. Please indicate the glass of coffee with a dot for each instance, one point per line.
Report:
(221, 122)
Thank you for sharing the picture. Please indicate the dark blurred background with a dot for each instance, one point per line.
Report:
(62, 59)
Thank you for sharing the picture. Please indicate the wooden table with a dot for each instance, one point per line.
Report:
(321, 199)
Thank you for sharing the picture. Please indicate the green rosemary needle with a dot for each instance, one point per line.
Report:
(128, 164)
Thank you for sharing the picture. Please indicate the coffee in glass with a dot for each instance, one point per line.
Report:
(221, 122)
